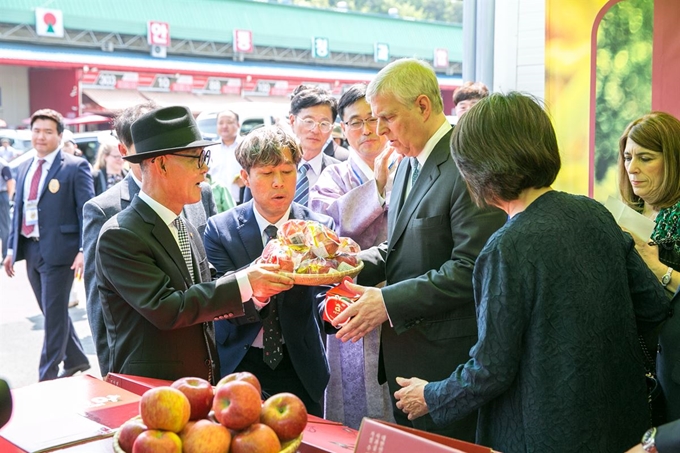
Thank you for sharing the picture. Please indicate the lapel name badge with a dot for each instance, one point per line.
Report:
(53, 186)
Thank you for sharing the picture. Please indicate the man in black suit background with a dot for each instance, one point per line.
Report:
(435, 233)
(47, 232)
(104, 206)
(154, 280)
(234, 239)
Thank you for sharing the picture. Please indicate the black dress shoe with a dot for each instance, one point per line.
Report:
(71, 371)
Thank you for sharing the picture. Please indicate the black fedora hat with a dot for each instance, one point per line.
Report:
(165, 131)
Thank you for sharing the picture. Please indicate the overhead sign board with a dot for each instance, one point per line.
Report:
(158, 33)
(243, 41)
(49, 22)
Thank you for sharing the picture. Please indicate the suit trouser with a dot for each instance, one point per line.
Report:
(4, 221)
(51, 286)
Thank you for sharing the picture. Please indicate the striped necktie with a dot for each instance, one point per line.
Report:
(302, 186)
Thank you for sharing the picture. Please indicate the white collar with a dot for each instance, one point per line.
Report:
(316, 163)
(432, 142)
(166, 215)
(263, 223)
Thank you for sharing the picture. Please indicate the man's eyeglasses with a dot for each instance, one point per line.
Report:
(357, 124)
(203, 158)
(309, 125)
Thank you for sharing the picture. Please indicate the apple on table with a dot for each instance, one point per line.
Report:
(128, 433)
(204, 436)
(258, 438)
(286, 414)
(237, 405)
(245, 376)
(200, 394)
(157, 441)
(164, 408)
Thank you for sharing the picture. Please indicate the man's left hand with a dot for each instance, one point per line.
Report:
(364, 315)
(411, 397)
(78, 266)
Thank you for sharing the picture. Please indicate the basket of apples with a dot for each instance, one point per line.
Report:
(313, 254)
(190, 416)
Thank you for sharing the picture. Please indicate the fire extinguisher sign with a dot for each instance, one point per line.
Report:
(158, 33)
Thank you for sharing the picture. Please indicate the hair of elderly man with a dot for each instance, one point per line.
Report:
(660, 132)
(306, 96)
(503, 145)
(470, 90)
(49, 114)
(124, 120)
(264, 146)
(349, 97)
(406, 79)
(228, 112)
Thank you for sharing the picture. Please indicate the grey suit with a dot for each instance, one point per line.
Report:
(95, 213)
(434, 237)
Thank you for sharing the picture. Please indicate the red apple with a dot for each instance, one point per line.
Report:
(185, 430)
(156, 441)
(350, 260)
(129, 432)
(237, 405)
(199, 392)
(205, 436)
(286, 414)
(258, 438)
(241, 376)
(164, 408)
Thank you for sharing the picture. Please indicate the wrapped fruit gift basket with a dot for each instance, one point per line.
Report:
(313, 254)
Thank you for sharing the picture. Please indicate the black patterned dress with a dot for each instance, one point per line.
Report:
(561, 294)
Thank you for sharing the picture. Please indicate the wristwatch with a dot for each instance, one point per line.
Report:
(647, 442)
(666, 279)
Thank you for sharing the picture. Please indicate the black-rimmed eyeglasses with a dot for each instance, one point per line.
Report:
(203, 158)
(357, 124)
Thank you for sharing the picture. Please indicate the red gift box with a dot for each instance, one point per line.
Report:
(338, 299)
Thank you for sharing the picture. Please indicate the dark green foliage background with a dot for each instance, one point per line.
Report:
(624, 76)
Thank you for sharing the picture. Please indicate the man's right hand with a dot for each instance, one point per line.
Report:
(266, 282)
(381, 168)
(9, 267)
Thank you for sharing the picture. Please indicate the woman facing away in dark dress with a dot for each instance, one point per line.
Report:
(649, 182)
(561, 295)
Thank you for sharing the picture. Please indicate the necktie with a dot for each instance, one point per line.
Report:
(32, 195)
(271, 339)
(184, 244)
(302, 186)
(415, 170)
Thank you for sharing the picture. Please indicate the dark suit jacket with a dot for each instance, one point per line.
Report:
(336, 151)
(95, 213)
(326, 161)
(158, 323)
(434, 237)
(60, 218)
(232, 241)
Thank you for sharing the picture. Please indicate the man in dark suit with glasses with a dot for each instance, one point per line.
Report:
(153, 277)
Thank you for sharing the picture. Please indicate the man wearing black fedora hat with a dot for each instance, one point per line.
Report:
(104, 206)
(154, 281)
